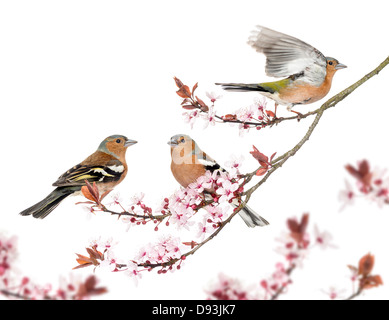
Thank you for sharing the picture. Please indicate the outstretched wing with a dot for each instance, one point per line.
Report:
(286, 55)
(76, 176)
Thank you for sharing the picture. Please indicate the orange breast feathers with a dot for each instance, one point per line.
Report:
(186, 169)
(305, 93)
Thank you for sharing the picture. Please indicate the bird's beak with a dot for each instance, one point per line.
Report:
(130, 142)
(173, 142)
(340, 66)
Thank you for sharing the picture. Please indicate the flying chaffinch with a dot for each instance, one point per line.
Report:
(106, 166)
(309, 73)
(189, 162)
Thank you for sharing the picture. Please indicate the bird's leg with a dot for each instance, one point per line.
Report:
(275, 110)
(299, 115)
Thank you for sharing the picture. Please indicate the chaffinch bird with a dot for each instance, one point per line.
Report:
(106, 166)
(189, 162)
(309, 73)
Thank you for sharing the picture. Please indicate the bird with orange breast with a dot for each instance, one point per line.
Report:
(106, 167)
(189, 163)
(309, 73)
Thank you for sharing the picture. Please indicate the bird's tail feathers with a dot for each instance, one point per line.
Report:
(242, 87)
(250, 217)
(48, 204)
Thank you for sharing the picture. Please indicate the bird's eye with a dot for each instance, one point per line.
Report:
(118, 140)
(182, 140)
(330, 63)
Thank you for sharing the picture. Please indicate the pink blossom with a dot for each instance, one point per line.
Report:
(323, 239)
(163, 251)
(216, 212)
(137, 198)
(207, 180)
(191, 117)
(103, 244)
(109, 262)
(209, 117)
(116, 199)
(227, 288)
(335, 293)
(290, 249)
(133, 272)
(203, 229)
(234, 164)
(197, 186)
(279, 279)
(67, 287)
(90, 211)
(347, 196)
(227, 190)
(260, 106)
(213, 96)
(181, 215)
(246, 114)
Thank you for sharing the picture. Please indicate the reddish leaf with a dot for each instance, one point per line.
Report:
(261, 171)
(84, 265)
(270, 113)
(94, 254)
(195, 87)
(88, 288)
(91, 193)
(362, 174)
(179, 84)
(229, 117)
(85, 202)
(184, 91)
(105, 194)
(371, 282)
(260, 157)
(83, 261)
(272, 156)
(364, 167)
(90, 283)
(352, 268)
(366, 264)
(186, 101)
(192, 244)
(190, 107)
(297, 230)
(204, 107)
(87, 194)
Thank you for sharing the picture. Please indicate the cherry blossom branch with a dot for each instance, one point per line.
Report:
(14, 286)
(263, 118)
(281, 289)
(362, 273)
(278, 162)
(295, 247)
(183, 206)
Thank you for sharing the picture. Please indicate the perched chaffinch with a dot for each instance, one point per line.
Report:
(106, 166)
(189, 162)
(309, 73)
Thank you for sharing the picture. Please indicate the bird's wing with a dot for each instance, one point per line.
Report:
(209, 163)
(286, 55)
(77, 175)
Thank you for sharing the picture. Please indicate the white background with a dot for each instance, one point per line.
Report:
(75, 72)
